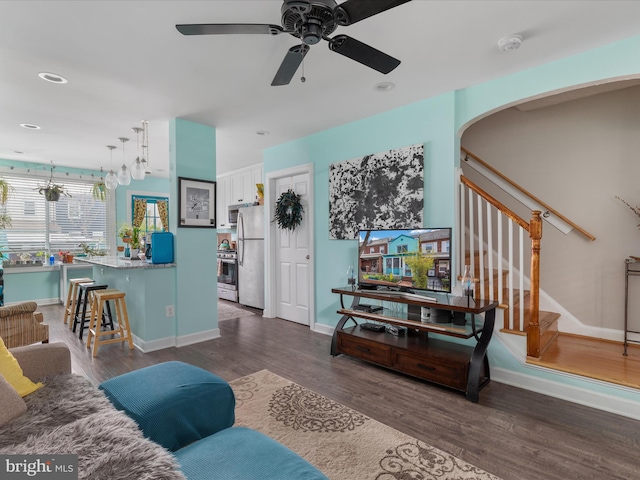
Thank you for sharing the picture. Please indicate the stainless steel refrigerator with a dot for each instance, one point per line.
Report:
(251, 256)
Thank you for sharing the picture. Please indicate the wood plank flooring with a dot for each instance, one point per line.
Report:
(512, 433)
(593, 358)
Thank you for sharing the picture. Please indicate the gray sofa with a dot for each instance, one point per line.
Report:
(71, 416)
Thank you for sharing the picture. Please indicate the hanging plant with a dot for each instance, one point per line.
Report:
(99, 191)
(289, 210)
(52, 190)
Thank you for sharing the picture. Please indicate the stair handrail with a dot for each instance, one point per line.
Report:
(534, 228)
(500, 206)
(548, 209)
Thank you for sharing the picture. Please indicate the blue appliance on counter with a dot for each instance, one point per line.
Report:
(161, 247)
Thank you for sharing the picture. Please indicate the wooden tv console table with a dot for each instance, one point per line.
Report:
(461, 367)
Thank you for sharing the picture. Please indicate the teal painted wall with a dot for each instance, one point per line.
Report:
(193, 155)
(430, 123)
(31, 286)
(148, 292)
(438, 123)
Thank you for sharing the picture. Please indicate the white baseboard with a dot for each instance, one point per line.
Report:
(324, 329)
(192, 338)
(153, 345)
(146, 346)
(581, 396)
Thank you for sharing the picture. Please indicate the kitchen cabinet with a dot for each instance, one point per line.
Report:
(241, 191)
(241, 185)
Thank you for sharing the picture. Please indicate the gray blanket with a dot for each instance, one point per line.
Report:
(70, 416)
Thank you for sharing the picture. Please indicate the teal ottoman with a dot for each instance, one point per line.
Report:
(240, 453)
(173, 403)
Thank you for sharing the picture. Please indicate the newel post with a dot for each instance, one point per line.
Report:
(533, 329)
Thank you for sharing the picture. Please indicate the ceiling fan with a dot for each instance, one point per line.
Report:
(312, 21)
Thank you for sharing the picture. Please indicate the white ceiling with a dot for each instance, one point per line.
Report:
(126, 62)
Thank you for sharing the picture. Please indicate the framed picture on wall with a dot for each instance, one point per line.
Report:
(196, 203)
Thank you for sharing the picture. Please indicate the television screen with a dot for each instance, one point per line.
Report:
(412, 259)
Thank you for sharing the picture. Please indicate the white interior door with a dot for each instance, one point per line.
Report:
(292, 257)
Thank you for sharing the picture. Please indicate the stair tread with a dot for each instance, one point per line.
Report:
(592, 357)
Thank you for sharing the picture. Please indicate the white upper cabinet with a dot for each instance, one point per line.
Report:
(234, 188)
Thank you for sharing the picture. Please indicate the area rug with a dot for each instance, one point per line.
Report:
(343, 443)
(229, 312)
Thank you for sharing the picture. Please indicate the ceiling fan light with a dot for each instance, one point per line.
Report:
(111, 180)
(137, 170)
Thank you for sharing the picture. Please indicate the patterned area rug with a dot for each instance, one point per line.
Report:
(343, 443)
(229, 312)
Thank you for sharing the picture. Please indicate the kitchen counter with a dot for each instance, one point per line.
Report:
(150, 296)
(122, 263)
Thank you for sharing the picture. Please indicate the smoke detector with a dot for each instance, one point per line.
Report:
(510, 43)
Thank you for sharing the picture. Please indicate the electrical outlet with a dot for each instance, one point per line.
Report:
(171, 310)
(126, 278)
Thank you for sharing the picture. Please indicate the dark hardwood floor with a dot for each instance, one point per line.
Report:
(512, 433)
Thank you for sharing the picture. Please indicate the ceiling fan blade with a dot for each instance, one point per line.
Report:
(363, 53)
(352, 11)
(290, 64)
(228, 29)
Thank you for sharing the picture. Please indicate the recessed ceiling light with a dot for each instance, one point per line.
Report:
(510, 43)
(30, 126)
(52, 77)
(262, 132)
(384, 86)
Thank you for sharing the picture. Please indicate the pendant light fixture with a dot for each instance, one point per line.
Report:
(124, 177)
(137, 170)
(111, 180)
(145, 147)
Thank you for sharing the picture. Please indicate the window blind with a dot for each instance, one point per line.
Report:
(38, 225)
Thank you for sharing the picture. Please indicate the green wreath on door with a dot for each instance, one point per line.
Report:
(289, 210)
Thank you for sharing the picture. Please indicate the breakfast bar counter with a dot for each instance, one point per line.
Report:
(150, 295)
(122, 263)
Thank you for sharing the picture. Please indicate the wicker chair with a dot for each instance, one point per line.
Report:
(21, 325)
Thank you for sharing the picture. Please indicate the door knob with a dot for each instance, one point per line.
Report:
(308, 257)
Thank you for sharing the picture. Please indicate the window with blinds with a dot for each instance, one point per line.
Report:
(51, 227)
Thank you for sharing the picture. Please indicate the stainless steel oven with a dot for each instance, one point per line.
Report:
(228, 275)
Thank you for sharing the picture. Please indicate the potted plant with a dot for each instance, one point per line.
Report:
(40, 256)
(135, 242)
(52, 191)
(99, 191)
(25, 258)
(125, 231)
(66, 257)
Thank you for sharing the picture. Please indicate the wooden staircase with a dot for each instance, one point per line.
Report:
(548, 320)
(487, 223)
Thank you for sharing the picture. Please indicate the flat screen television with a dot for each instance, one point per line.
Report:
(405, 259)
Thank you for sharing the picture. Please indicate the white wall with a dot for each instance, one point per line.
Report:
(576, 156)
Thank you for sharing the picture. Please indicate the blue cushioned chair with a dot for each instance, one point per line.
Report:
(174, 403)
(240, 453)
(189, 411)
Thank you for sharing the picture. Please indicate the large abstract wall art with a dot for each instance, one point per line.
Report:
(383, 190)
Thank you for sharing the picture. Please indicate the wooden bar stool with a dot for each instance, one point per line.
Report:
(72, 294)
(122, 333)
